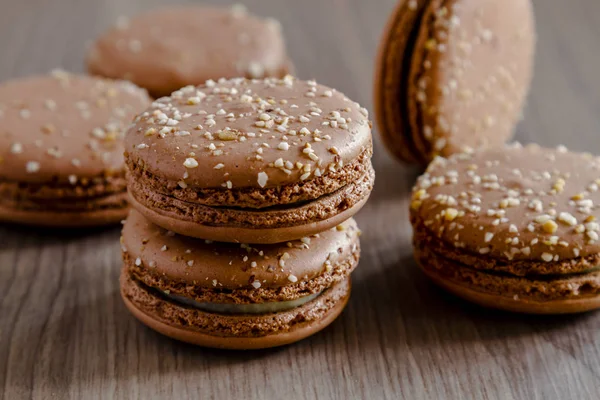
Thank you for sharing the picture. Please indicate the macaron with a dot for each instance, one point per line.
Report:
(514, 228)
(61, 149)
(167, 48)
(250, 161)
(452, 75)
(236, 296)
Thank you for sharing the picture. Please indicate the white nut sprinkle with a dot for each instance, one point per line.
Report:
(262, 179)
(283, 146)
(567, 218)
(547, 257)
(32, 167)
(16, 148)
(190, 163)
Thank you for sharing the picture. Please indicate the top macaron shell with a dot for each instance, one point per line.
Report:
(57, 126)
(215, 265)
(249, 134)
(165, 49)
(469, 80)
(532, 210)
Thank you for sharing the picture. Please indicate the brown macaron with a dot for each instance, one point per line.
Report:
(165, 49)
(61, 149)
(514, 228)
(250, 161)
(452, 75)
(236, 296)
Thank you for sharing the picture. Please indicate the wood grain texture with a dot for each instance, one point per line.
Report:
(64, 333)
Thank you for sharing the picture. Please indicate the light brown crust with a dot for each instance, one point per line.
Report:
(253, 197)
(102, 201)
(165, 49)
(81, 217)
(566, 306)
(235, 331)
(395, 50)
(425, 238)
(541, 289)
(83, 189)
(244, 226)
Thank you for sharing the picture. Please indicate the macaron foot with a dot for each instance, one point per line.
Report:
(171, 319)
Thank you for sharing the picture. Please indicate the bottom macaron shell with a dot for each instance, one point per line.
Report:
(172, 319)
(243, 234)
(251, 226)
(511, 293)
(567, 306)
(67, 219)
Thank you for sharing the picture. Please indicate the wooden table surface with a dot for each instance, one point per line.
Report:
(64, 333)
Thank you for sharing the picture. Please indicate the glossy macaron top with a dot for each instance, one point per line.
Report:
(529, 205)
(215, 265)
(465, 68)
(167, 48)
(249, 134)
(60, 126)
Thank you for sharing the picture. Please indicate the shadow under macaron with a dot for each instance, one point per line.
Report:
(421, 314)
(19, 236)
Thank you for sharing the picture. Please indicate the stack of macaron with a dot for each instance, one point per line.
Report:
(61, 149)
(243, 191)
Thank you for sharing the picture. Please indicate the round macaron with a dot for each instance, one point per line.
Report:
(166, 49)
(250, 161)
(512, 228)
(452, 75)
(236, 296)
(61, 149)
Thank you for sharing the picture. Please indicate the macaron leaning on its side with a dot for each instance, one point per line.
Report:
(250, 161)
(452, 75)
(236, 296)
(165, 49)
(512, 228)
(61, 149)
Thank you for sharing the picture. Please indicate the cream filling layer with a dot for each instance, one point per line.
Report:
(259, 308)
